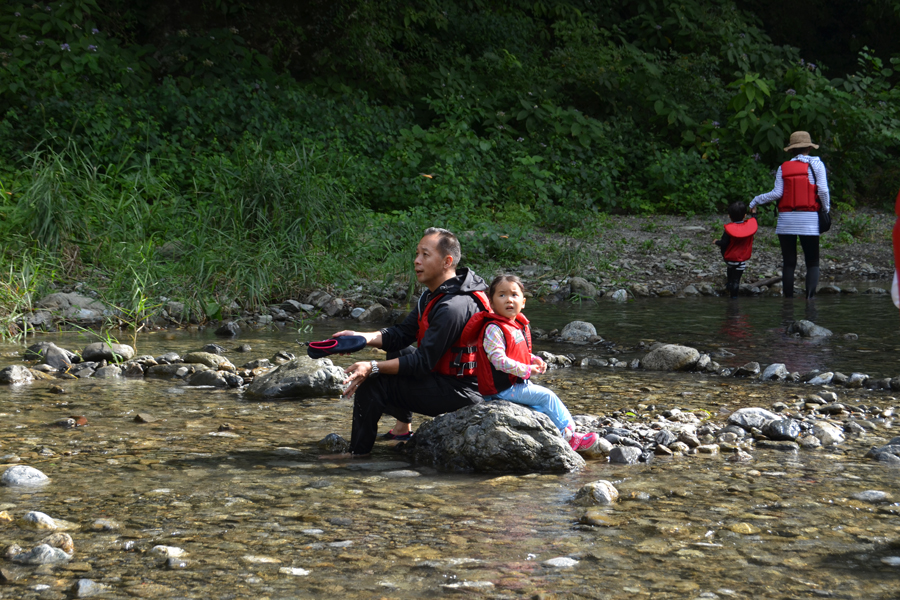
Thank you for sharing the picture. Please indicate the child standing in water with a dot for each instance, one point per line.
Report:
(504, 361)
(737, 245)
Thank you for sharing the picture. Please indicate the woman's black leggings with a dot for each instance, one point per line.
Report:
(810, 245)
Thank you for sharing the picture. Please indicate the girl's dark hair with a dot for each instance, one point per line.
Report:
(504, 279)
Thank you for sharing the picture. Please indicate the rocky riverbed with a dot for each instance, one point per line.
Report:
(159, 488)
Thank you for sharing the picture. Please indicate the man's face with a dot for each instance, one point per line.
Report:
(429, 264)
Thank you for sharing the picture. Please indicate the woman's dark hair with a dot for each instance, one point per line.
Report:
(504, 279)
(799, 151)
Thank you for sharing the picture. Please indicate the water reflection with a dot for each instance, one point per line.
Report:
(735, 328)
(752, 329)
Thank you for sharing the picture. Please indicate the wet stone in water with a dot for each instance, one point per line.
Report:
(85, 588)
(598, 492)
(21, 475)
(873, 496)
(627, 455)
(16, 374)
(334, 444)
(41, 555)
(782, 429)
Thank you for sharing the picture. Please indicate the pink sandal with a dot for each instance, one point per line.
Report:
(583, 441)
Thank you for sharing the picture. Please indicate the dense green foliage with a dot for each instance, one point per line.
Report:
(238, 149)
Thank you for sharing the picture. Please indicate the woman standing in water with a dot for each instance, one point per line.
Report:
(801, 189)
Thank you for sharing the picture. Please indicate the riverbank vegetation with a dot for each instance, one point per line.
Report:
(237, 151)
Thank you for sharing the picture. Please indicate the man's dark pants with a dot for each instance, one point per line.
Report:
(400, 396)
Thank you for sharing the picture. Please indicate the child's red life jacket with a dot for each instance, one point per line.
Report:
(517, 336)
(740, 246)
(459, 359)
(799, 193)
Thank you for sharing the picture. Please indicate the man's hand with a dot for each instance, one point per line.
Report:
(356, 374)
(373, 338)
(350, 332)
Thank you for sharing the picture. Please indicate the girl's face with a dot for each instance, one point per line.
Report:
(508, 299)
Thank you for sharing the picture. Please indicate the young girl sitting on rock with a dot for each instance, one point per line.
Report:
(504, 362)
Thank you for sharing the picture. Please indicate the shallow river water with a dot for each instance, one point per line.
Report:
(239, 485)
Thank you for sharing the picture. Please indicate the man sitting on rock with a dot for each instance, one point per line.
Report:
(439, 376)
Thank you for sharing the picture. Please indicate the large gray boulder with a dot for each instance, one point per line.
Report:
(299, 378)
(583, 288)
(74, 306)
(671, 357)
(808, 329)
(50, 354)
(330, 305)
(377, 313)
(107, 351)
(494, 437)
(578, 331)
(752, 417)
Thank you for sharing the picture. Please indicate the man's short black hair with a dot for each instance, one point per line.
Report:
(737, 210)
(448, 244)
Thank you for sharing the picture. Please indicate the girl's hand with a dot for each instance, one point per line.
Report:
(539, 364)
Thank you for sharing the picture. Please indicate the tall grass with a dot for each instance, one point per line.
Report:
(257, 227)
(20, 283)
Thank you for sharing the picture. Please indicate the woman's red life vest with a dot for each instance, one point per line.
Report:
(517, 337)
(799, 194)
(459, 359)
(896, 236)
(740, 246)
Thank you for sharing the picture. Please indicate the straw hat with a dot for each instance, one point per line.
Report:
(800, 139)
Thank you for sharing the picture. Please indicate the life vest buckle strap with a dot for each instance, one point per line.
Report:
(464, 349)
(463, 367)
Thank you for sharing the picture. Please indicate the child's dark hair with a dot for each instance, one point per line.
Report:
(504, 279)
(737, 210)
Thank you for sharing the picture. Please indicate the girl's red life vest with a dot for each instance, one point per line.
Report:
(740, 246)
(517, 337)
(799, 194)
(459, 359)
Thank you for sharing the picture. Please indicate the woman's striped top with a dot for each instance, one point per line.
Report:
(798, 222)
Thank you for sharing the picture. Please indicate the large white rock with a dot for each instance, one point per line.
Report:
(22, 475)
